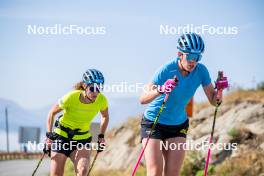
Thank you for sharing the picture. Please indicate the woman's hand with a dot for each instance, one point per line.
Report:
(215, 96)
(152, 91)
(48, 142)
(220, 85)
(101, 143)
(168, 86)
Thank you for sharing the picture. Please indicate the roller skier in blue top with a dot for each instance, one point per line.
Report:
(173, 122)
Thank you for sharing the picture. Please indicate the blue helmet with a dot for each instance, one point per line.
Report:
(191, 43)
(92, 76)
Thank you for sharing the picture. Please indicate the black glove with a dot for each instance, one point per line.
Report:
(101, 145)
(47, 150)
(50, 137)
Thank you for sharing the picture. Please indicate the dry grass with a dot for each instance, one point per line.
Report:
(107, 172)
(256, 96)
(236, 97)
(140, 172)
(132, 124)
(193, 162)
(197, 107)
(249, 163)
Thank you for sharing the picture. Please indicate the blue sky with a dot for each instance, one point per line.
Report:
(37, 69)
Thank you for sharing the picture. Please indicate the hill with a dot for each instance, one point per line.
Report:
(240, 121)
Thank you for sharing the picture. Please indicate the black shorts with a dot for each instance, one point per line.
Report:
(163, 132)
(66, 146)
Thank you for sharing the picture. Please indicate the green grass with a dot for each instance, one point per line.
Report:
(233, 133)
(201, 172)
(69, 168)
(141, 171)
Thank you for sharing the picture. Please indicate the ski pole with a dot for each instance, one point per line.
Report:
(152, 128)
(45, 151)
(221, 84)
(41, 159)
(93, 163)
(210, 141)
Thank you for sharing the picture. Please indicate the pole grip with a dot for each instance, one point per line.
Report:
(167, 94)
(218, 94)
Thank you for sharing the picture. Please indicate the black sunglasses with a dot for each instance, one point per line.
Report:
(94, 89)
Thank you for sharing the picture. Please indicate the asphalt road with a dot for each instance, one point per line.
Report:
(24, 167)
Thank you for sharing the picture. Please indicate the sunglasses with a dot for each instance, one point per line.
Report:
(194, 57)
(95, 87)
